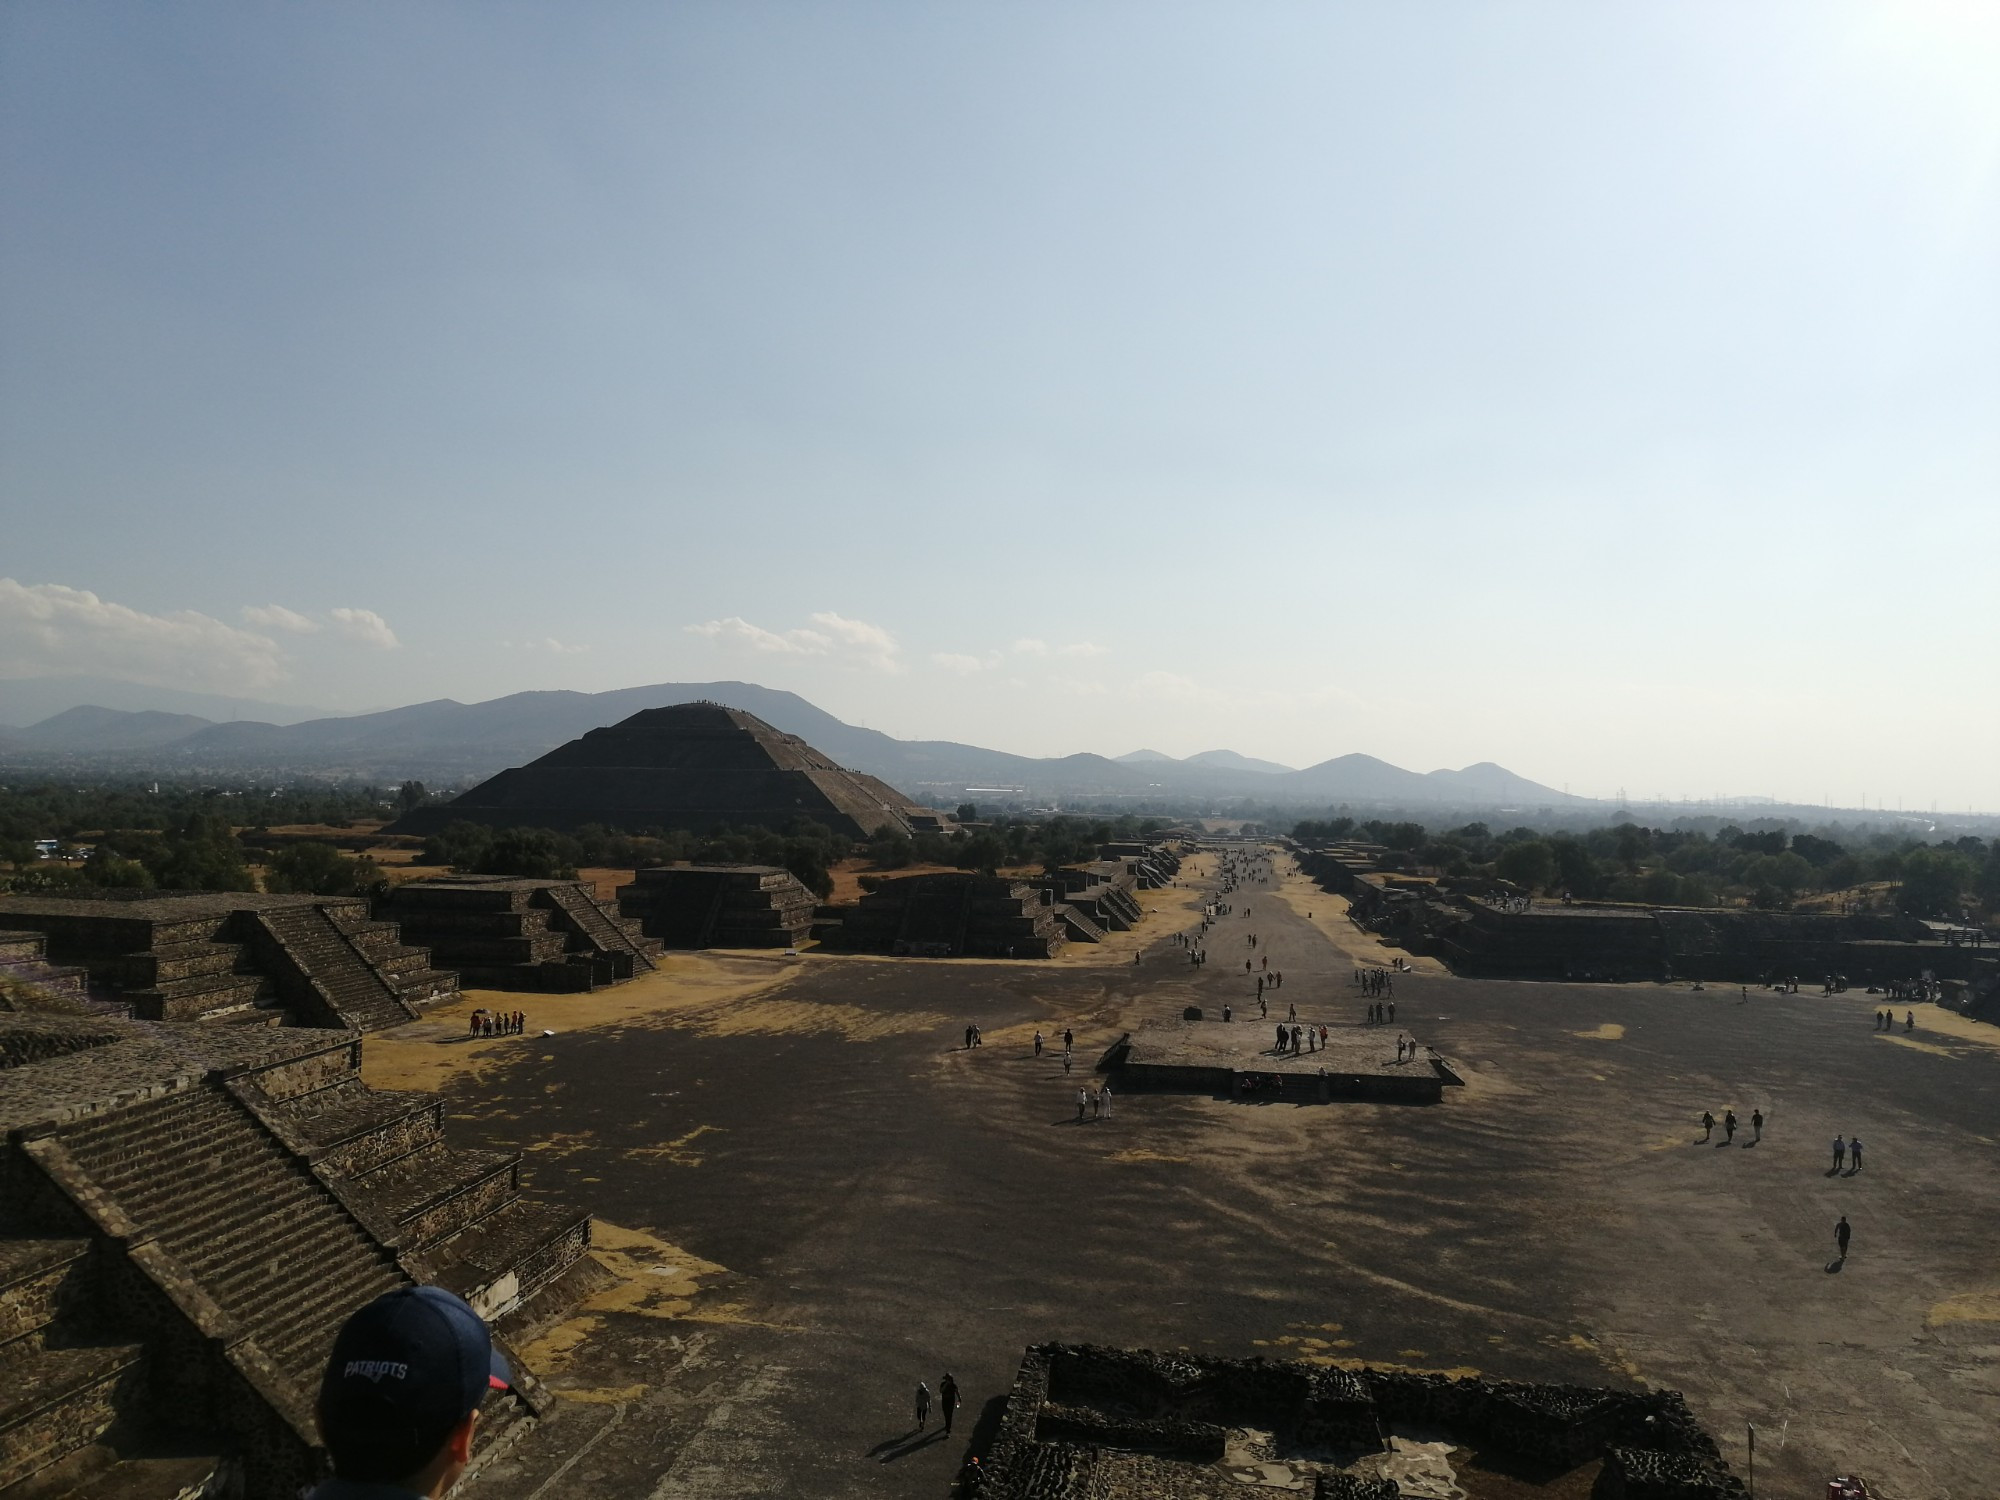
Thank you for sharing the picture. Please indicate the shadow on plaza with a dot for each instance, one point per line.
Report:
(902, 1446)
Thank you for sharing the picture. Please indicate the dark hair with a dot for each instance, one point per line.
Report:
(374, 1441)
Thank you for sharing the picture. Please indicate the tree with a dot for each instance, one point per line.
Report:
(968, 812)
(1934, 882)
(531, 853)
(315, 869)
(1530, 864)
(411, 794)
(984, 852)
(890, 848)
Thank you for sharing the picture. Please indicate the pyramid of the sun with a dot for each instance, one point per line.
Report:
(694, 766)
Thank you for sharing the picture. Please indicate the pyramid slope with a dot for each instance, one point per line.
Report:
(695, 766)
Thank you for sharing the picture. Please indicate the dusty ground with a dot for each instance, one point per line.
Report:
(820, 1198)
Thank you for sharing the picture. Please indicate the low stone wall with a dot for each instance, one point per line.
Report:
(1069, 1402)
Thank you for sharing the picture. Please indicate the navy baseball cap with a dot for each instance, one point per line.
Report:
(405, 1370)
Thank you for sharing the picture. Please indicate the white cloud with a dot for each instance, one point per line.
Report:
(1083, 648)
(50, 630)
(830, 634)
(366, 626)
(1028, 646)
(1170, 687)
(953, 661)
(1077, 687)
(277, 617)
(547, 643)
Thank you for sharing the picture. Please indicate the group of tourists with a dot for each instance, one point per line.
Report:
(1381, 1013)
(947, 1400)
(1729, 1125)
(1289, 1039)
(974, 1039)
(1375, 981)
(1844, 1149)
(498, 1023)
(1885, 1020)
(1096, 1101)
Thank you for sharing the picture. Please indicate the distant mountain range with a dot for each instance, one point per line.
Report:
(448, 740)
(1225, 760)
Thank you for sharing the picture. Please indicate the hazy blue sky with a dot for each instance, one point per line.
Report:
(1610, 391)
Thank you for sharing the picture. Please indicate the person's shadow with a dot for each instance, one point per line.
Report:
(1833, 1266)
(890, 1449)
(1833, 1171)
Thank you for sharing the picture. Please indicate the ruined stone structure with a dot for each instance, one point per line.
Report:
(1106, 1424)
(188, 1213)
(695, 766)
(1094, 899)
(1232, 1059)
(503, 933)
(948, 916)
(231, 958)
(719, 906)
(1611, 941)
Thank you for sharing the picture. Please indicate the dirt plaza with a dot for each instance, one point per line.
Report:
(812, 1196)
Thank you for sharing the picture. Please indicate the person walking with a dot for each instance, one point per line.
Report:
(1082, 1102)
(1839, 1153)
(1104, 1097)
(1038, 1044)
(1854, 1150)
(1756, 1124)
(947, 1400)
(1707, 1125)
(1841, 1232)
(1729, 1124)
(923, 1406)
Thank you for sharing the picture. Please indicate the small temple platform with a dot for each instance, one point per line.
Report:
(1239, 1059)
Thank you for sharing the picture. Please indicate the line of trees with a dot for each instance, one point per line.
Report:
(1765, 867)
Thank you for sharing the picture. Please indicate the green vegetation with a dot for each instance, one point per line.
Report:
(1772, 868)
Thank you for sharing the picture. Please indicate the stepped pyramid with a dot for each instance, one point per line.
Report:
(693, 766)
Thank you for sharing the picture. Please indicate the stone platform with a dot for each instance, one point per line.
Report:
(1110, 1423)
(1238, 1058)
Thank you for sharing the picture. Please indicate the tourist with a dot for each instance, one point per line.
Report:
(1707, 1125)
(1841, 1234)
(1069, 1039)
(1097, 1106)
(947, 1400)
(1909, 1020)
(410, 1436)
(1839, 1153)
(1228, 1014)
(1392, 1013)
(923, 1406)
(1038, 1044)
(1291, 1012)
(1729, 1124)
(1281, 1038)
(1756, 1125)
(1104, 1095)
(1066, 1062)
(1854, 1150)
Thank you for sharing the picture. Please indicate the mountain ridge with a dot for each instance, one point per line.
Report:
(446, 738)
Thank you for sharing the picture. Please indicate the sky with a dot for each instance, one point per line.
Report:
(1612, 392)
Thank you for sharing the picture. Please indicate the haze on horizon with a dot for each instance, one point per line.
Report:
(1606, 392)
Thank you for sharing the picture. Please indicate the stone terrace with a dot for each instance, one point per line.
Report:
(187, 1213)
(235, 957)
(1237, 1058)
(517, 934)
(1111, 1423)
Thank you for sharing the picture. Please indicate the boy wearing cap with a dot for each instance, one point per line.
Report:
(400, 1397)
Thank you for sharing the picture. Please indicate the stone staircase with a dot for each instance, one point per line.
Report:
(32, 982)
(320, 957)
(242, 1217)
(1079, 927)
(609, 936)
(719, 906)
(934, 917)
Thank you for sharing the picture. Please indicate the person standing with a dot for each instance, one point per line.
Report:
(1038, 1044)
(1839, 1153)
(1757, 1124)
(1069, 1039)
(923, 1406)
(1104, 1096)
(1854, 1148)
(1841, 1232)
(947, 1400)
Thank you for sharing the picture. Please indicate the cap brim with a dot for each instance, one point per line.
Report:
(498, 1376)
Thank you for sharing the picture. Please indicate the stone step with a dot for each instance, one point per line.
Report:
(99, 1471)
(37, 1277)
(352, 1128)
(54, 1401)
(537, 1241)
(22, 947)
(436, 1191)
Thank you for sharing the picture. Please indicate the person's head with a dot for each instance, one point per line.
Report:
(400, 1396)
